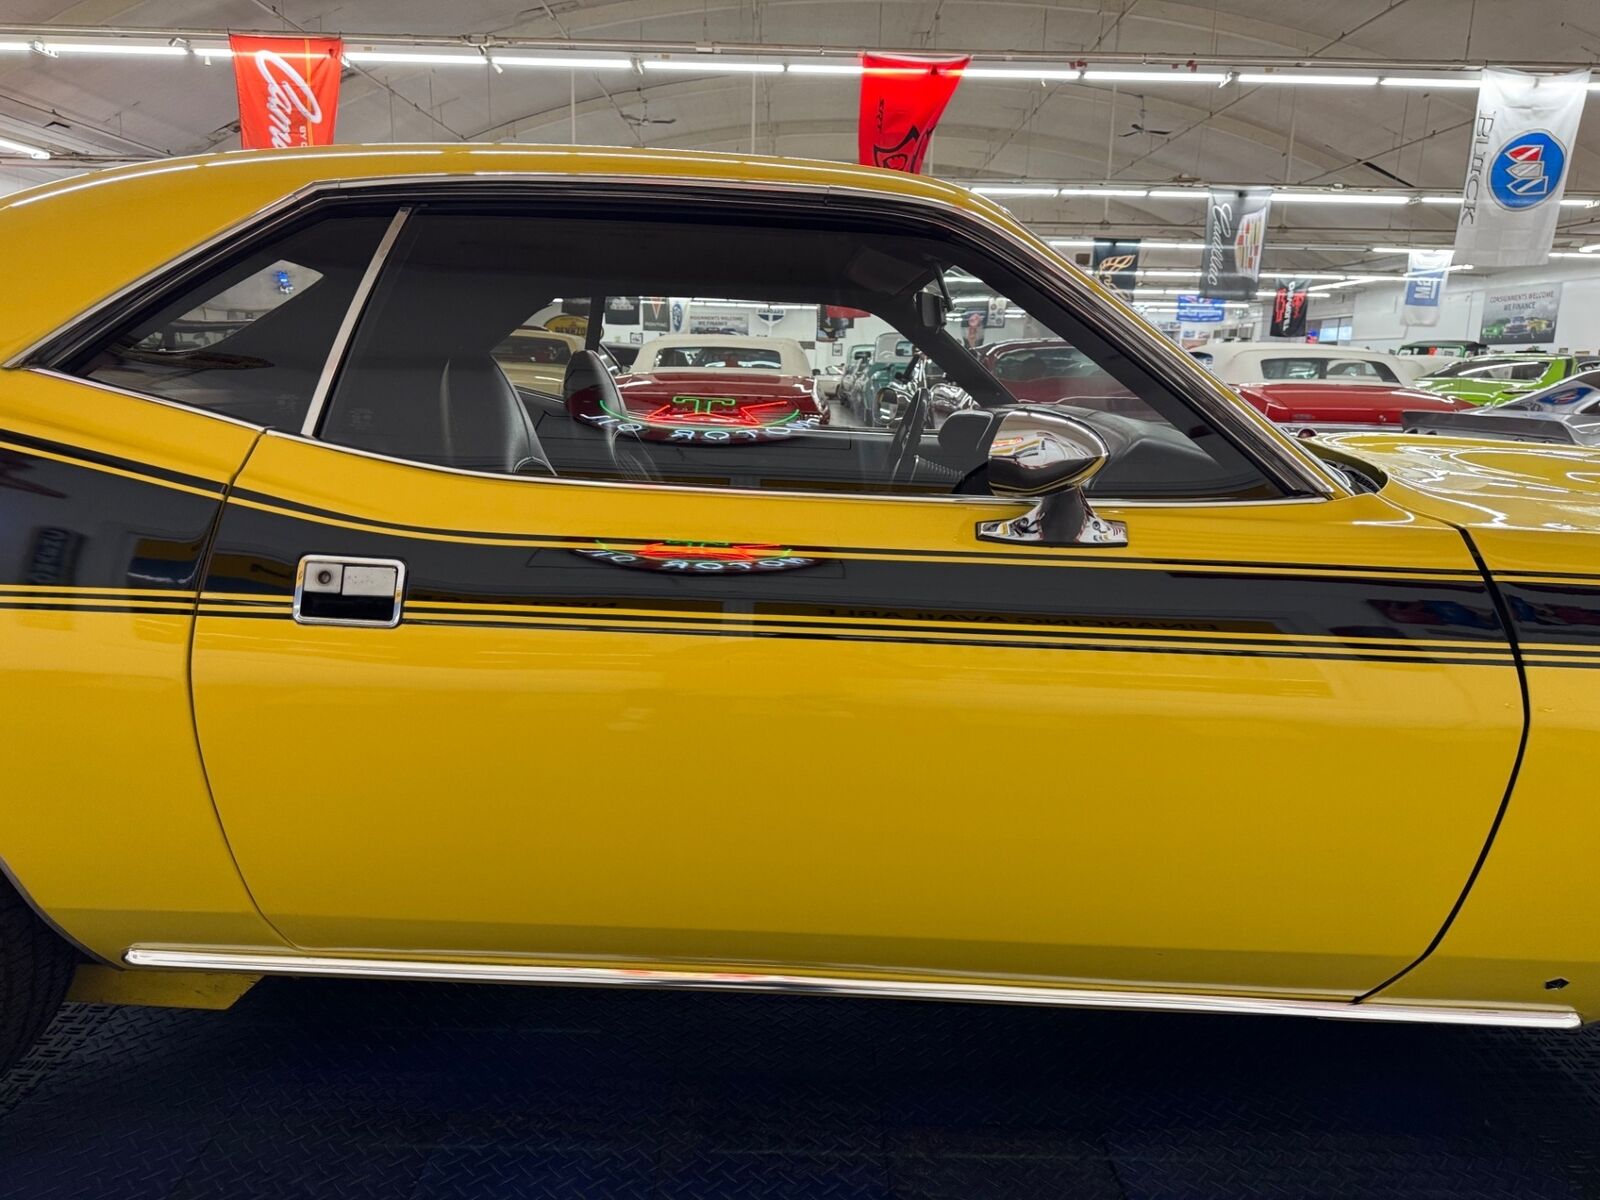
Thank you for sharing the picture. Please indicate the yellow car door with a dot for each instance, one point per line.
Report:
(691, 668)
(1259, 747)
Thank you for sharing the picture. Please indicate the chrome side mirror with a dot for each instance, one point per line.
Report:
(1048, 458)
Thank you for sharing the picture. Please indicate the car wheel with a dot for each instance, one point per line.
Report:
(35, 968)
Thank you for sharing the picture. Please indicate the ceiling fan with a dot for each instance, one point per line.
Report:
(1137, 127)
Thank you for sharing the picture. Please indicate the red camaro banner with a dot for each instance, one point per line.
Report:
(901, 101)
(288, 90)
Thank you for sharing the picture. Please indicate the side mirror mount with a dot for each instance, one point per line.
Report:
(1048, 458)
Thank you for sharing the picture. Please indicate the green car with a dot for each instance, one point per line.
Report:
(1492, 378)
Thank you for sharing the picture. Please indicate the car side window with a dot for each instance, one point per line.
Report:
(726, 390)
(249, 338)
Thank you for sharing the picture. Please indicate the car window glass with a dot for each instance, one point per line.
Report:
(250, 338)
(1490, 368)
(728, 395)
(1293, 368)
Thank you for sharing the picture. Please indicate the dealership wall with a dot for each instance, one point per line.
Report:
(1377, 309)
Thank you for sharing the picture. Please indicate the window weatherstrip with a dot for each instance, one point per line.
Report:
(352, 314)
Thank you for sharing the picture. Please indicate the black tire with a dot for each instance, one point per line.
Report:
(35, 968)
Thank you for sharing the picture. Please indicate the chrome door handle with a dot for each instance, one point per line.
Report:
(333, 590)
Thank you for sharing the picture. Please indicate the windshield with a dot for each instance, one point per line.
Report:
(716, 357)
(1522, 369)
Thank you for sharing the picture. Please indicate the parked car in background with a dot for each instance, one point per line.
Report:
(891, 354)
(1322, 406)
(712, 388)
(1490, 378)
(537, 358)
(1252, 362)
(1566, 413)
(1046, 371)
(828, 379)
(1442, 348)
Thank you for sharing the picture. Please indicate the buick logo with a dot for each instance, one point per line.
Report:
(1527, 170)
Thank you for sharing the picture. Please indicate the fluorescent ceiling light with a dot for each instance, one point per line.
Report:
(1297, 78)
(1338, 199)
(1570, 254)
(1406, 249)
(1301, 275)
(1450, 200)
(1104, 191)
(1006, 190)
(712, 64)
(133, 50)
(212, 51)
(1577, 203)
(23, 148)
(1178, 193)
(1029, 73)
(562, 63)
(14, 47)
(422, 57)
(1084, 243)
(824, 68)
(1173, 76)
(1175, 245)
(1430, 81)
(1168, 273)
(1591, 248)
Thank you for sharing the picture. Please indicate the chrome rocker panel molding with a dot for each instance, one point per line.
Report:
(158, 957)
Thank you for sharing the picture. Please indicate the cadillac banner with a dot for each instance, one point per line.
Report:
(288, 90)
(1289, 309)
(901, 101)
(1426, 272)
(1116, 264)
(1236, 232)
(1522, 142)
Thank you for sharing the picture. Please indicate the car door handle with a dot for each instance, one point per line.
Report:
(336, 590)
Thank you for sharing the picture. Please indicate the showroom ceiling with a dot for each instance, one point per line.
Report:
(87, 108)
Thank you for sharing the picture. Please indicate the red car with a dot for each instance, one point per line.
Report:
(712, 388)
(1324, 406)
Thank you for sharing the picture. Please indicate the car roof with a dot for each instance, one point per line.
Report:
(1290, 350)
(138, 218)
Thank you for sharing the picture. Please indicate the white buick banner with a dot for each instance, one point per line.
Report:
(1522, 143)
(1426, 272)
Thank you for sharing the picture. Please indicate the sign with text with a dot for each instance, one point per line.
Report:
(1426, 273)
(1198, 310)
(1289, 305)
(288, 90)
(1522, 142)
(1521, 317)
(1236, 233)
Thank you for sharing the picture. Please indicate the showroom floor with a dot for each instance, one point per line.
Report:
(334, 1090)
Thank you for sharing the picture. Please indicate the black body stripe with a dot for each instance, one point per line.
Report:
(257, 551)
(1552, 613)
(69, 525)
(93, 458)
(1011, 554)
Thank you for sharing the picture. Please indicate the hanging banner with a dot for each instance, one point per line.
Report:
(901, 101)
(1116, 264)
(1236, 233)
(1521, 317)
(622, 310)
(657, 313)
(1289, 309)
(1426, 272)
(288, 90)
(1522, 142)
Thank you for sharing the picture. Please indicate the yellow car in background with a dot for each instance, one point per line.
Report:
(537, 358)
(327, 652)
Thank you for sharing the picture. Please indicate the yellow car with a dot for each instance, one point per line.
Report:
(326, 652)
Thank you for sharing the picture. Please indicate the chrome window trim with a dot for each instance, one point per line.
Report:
(1108, 502)
(1288, 465)
(347, 324)
(952, 989)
